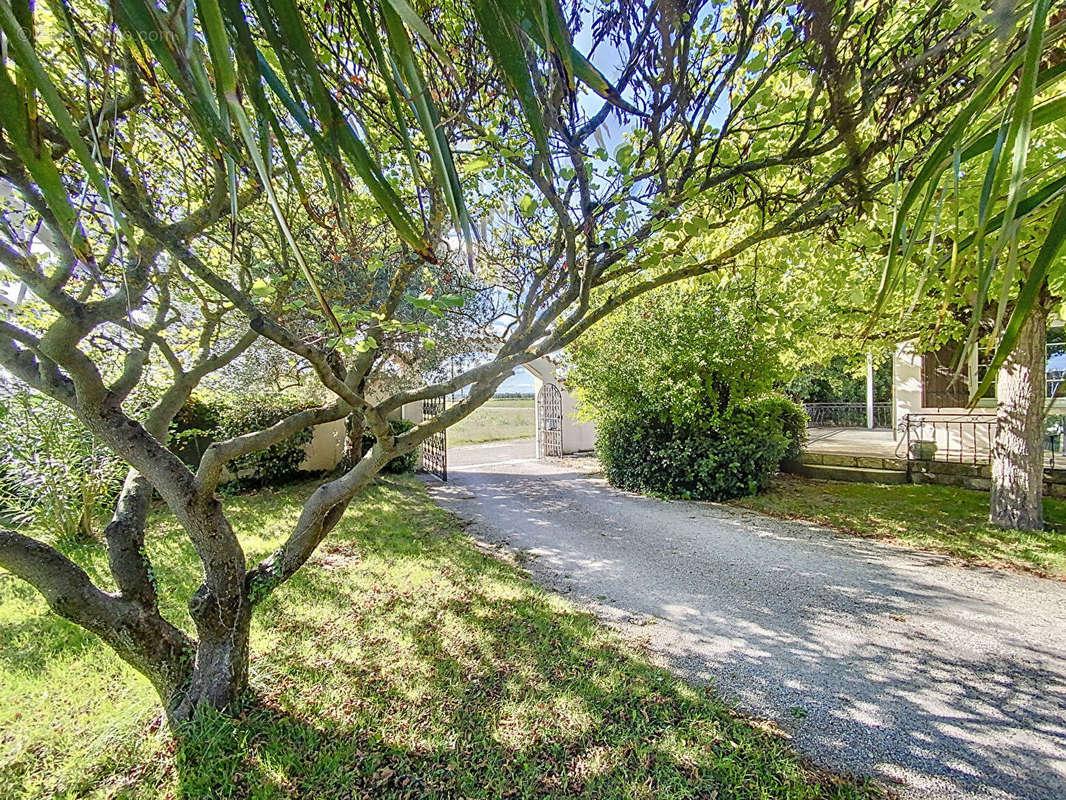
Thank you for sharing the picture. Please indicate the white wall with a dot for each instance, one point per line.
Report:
(965, 437)
(578, 436)
(906, 383)
(326, 448)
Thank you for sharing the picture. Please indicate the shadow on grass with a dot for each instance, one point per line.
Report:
(409, 664)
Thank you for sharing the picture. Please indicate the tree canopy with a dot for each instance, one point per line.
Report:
(184, 180)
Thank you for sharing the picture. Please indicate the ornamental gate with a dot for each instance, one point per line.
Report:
(435, 448)
(550, 421)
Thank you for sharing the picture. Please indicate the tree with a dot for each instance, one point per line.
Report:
(172, 188)
(990, 201)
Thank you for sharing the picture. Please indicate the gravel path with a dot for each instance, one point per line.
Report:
(943, 681)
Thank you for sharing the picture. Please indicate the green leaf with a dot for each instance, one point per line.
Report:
(499, 30)
(22, 53)
(451, 300)
(261, 288)
(476, 165)
(1029, 295)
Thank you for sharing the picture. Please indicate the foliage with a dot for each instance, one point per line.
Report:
(985, 213)
(203, 420)
(944, 519)
(839, 381)
(413, 663)
(733, 457)
(681, 356)
(177, 187)
(401, 464)
(793, 421)
(273, 465)
(54, 475)
(676, 383)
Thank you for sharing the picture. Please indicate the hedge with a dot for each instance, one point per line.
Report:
(736, 456)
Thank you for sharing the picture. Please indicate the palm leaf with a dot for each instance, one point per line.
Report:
(426, 113)
(23, 54)
(1029, 295)
(38, 161)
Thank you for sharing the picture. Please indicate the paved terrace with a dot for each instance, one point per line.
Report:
(855, 442)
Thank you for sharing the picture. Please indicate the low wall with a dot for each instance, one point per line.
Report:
(944, 473)
(977, 476)
(322, 454)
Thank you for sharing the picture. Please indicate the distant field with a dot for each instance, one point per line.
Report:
(510, 402)
(496, 421)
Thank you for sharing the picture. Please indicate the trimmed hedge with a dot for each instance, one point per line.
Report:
(735, 457)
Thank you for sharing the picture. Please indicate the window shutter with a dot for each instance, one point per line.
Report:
(938, 388)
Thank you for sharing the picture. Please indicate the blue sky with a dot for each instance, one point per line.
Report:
(521, 381)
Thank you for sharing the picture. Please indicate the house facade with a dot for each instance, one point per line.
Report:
(930, 402)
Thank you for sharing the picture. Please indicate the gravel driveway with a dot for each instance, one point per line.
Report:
(943, 681)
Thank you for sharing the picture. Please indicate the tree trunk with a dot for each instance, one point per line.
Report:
(219, 674)
(1018, 450)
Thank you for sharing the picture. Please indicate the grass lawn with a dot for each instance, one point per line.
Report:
(403, 663)
(941, 518)
(496, 421)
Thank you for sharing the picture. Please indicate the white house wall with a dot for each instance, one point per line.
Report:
(326, 448)
(965, 437)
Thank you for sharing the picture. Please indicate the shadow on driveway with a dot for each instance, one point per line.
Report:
(944, 681)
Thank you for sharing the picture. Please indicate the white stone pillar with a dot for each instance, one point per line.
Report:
(870, 390)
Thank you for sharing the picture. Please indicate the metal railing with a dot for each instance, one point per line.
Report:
(847, 415)
(955, 438)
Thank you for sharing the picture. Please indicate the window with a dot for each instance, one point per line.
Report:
(938, 369)
(1055, 371)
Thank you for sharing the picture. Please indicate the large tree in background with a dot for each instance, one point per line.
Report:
(981, 228)
(139, 140)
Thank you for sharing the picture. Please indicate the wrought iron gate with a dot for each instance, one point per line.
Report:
(549, 421)
(435, 448)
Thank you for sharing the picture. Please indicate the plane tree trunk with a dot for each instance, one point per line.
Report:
(1018, 449)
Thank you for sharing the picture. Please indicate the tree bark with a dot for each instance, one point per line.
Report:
(220, 671)
(138, 634)
(1018, 449)
(221, 610)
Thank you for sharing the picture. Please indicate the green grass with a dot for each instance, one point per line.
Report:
(941, 518)
(404, 662)
(497, 421)
(510, 402)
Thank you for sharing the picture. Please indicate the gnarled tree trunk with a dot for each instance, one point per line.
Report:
(1018, 449)
(219, 673)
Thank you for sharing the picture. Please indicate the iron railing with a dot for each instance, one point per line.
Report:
(847, 415)
(955, 438)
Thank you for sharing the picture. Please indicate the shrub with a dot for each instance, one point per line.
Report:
(202, 421)
(276, 465)
(401, 464)
(733, 457)
(680, 354)
(794, 420)
(53, 473)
